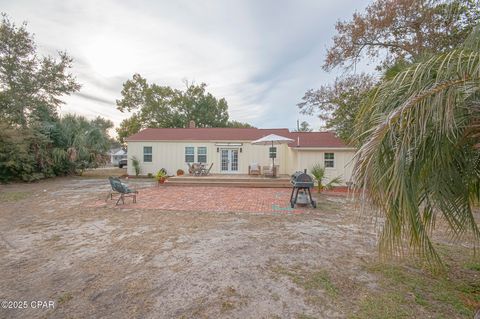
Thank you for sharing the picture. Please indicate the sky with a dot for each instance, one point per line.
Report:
(261, 56)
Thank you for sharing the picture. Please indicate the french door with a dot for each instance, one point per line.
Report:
(229, 160)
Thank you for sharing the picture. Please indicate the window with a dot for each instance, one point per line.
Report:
(329, 159)
(273, 152)
(147, 153)
(202, 154)
(189, 154)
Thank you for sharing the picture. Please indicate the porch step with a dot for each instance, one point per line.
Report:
(230, 182)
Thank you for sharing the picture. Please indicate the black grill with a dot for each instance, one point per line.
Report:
(301, 182)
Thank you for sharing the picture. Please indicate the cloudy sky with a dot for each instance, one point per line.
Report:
(260, 55)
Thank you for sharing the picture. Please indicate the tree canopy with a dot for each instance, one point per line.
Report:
(304, 127)
(390, 34)
(34, 141)
(31, 86)
(338, 104)
(390, 30)
(162, 106)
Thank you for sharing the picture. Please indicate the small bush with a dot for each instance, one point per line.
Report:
(136, 165)
(180, 172)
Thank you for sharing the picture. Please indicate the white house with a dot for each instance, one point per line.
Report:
(116, 155)
(231, 152)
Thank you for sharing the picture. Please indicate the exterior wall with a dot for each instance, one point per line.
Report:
(171, 156)
(343, 164)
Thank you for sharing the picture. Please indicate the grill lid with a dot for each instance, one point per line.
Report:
(302, 179)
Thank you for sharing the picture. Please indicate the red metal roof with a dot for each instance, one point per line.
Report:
(315, 139)
(302, 139)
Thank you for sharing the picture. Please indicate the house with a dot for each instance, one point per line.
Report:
(116, 155)
(231, 152)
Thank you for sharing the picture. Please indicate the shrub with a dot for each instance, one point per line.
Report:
(318, 172)
(180, 172)
(161, 175)
(136, 165)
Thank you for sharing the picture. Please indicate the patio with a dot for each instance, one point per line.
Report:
(209, 199)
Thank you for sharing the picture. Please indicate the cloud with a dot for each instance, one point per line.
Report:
(94, 98)
(259, 55)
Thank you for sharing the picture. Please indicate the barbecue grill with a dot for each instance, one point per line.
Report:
(301, 182)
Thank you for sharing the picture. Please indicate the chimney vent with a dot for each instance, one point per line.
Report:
(191, 124)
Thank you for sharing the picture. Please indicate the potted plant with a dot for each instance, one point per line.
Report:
(319, 175)
(180, 172)
(161, 176)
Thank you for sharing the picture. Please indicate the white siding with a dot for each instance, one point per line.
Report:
(171, 156)
(306, 159)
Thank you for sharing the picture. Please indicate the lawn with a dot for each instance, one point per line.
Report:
(152, 263)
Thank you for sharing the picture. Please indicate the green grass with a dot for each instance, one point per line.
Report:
(314, 280)
(407, 291)
(13, 196)
(473, 266)
(386, 305)
(66, 297)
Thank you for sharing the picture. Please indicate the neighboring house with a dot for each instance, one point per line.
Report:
(116, 155)
(231, 152)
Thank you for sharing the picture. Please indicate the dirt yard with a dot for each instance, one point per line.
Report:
(131, 262)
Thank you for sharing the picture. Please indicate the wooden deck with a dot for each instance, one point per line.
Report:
(230, 180)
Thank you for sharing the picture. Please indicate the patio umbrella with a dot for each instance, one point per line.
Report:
(272, 139)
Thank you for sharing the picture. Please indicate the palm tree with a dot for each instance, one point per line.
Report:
(80, 144)
(318, 173)
(420, 153)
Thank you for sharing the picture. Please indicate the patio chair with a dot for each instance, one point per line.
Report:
(270, 171)
(197, 169)
(254, 169)
(205, 171)
(190, 169)
(122, 189)
(113, 191)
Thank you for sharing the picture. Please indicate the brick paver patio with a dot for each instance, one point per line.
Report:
(210, 199)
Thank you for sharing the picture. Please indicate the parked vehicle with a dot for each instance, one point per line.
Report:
(122, 163)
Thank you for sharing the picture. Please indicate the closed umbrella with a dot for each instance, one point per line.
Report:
(272, 140)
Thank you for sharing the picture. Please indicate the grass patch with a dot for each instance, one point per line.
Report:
(388, 305)
(408, 291)
(66, 297)
(230, 298)
(13, 196)
(104, 172)
(227, 306)
(275, 297)
(55, 238)
(472, 266)
(316, 280)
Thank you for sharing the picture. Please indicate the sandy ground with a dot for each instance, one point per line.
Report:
(133, 263)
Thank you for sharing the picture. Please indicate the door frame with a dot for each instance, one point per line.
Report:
(230, 154)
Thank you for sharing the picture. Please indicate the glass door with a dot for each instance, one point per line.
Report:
(224, 160)
(229, 160)
(234, 160)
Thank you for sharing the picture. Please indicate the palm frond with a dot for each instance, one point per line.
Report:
(419, 157)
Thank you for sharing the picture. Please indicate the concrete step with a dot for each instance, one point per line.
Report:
(229, 183)
(201, 179)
